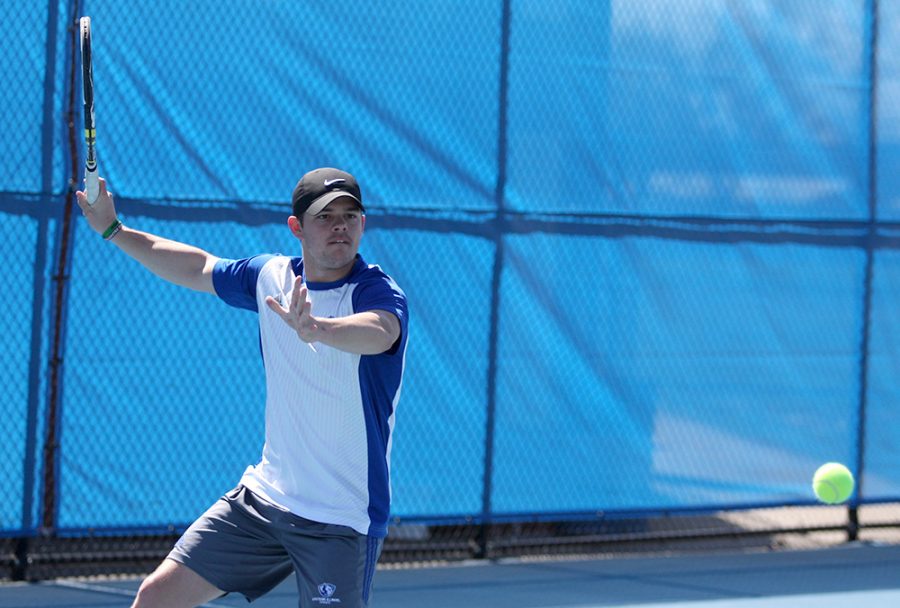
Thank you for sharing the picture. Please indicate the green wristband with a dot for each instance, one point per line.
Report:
(112, 230)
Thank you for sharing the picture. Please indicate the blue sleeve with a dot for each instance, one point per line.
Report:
(380, 292)
(235, 280)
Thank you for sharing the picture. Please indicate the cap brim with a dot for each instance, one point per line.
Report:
(326, 199)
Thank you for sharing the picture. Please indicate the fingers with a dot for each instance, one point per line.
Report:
(298, 314)
(81, 199)
(298, 307)
(299, 304)
(273, 304)
(103, 193)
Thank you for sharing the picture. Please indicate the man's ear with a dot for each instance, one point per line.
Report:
(295, 226)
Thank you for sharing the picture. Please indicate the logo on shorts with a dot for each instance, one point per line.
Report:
(326, 593)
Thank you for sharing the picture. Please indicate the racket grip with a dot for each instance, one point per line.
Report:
(91, 184)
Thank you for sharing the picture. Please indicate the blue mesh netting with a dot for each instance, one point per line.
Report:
(635, 236)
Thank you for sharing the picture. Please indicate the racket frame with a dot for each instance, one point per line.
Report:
(91, 176)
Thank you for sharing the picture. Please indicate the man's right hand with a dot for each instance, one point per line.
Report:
(102, 214)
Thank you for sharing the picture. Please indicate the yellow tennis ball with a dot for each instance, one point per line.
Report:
(833, 483)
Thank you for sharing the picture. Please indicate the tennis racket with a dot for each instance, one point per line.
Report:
(91, 178)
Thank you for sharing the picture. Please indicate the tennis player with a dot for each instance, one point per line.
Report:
(333, 333)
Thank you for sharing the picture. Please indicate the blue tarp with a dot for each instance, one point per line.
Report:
(650, 247)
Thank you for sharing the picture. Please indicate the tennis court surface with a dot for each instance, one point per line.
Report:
(856, 574)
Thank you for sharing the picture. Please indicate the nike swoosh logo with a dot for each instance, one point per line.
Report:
(330, 182)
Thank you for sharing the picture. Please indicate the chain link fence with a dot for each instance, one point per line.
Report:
(649, 249)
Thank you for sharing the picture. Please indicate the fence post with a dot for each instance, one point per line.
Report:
(872, 194)
(483, 541)
(49, 499)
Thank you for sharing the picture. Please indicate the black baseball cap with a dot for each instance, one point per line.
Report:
(319, 187)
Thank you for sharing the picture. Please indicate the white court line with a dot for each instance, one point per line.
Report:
(110, 590)
(880, 598)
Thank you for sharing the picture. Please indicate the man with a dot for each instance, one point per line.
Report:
(333, 334)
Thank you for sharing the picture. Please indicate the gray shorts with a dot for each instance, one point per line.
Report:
(246, 545)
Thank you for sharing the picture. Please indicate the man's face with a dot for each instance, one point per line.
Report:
(331, 239)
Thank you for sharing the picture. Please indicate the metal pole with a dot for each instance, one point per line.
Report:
(483, 541)
(853, 511)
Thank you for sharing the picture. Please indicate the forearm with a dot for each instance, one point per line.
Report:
(365, 333)
(175, 262)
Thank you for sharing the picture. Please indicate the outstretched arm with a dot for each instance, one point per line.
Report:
(175, 262)
(365, 333)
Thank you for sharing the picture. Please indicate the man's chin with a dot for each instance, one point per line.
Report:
(340, 262)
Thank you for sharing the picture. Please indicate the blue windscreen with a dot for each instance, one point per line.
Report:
(650, 248)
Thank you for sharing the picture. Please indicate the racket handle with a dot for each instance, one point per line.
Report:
(91, 184)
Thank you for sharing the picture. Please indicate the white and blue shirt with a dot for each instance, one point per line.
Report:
(329, 413)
